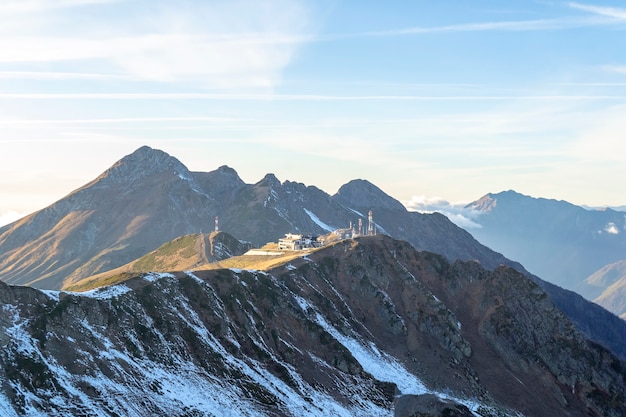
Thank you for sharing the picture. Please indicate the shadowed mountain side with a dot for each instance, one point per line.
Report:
(347, 330)
(594, 321)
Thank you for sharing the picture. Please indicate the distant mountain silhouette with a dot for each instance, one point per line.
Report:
(558, 241)
(611, 283)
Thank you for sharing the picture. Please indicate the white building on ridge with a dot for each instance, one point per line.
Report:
(298, 242)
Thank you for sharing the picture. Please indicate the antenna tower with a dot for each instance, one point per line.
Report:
(370, 223)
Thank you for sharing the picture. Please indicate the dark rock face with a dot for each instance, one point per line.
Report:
(343, 331)
(223, 246)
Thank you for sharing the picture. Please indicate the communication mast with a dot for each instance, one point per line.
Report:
(370, 223)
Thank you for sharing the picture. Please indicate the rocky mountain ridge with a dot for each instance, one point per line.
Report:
(365, 327)
(149, 198)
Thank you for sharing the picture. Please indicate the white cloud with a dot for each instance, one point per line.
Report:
(612, 12)
(229, 45)
(458, 213)
(611, 229)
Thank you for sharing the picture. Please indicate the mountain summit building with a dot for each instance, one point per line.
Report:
(299, 242)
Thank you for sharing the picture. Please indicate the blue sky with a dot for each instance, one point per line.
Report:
(428, 100)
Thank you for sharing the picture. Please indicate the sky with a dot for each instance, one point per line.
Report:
(434, 102)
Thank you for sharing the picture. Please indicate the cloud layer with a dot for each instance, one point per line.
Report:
(458, 213)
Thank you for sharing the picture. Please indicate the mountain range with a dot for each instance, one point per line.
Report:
(148, 212)
(362, 327)
(149, 198)
(565, 244)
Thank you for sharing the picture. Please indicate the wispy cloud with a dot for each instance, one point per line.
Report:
(515, 25)
(233, 45)
(39, 6)
(613, 12)
(497, 26)
(46, 75)
(620, 69)
(121, 120)
(296, 97)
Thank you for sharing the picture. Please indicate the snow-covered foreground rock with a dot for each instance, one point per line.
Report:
(346, 331)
